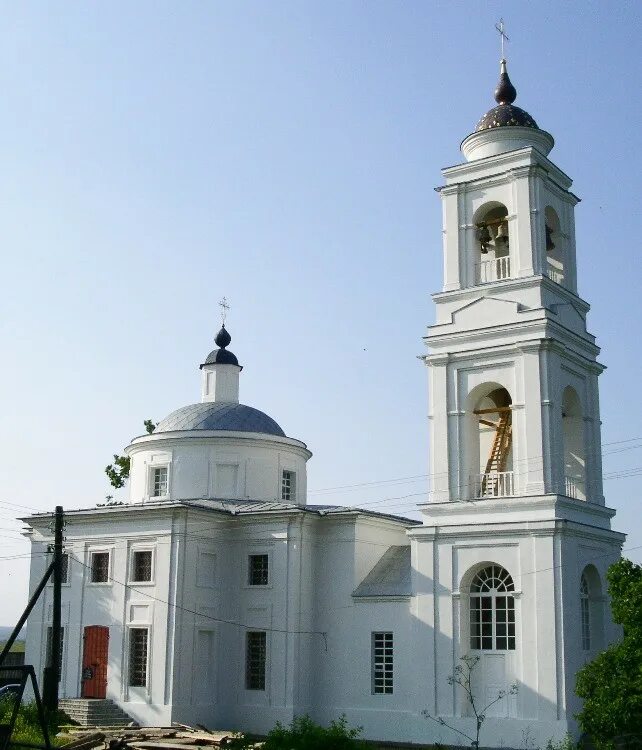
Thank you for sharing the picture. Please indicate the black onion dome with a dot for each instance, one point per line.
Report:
(505, 93)
(221, 356)
(506, 114)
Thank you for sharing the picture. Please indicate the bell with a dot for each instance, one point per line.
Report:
(550, 245)
(484, 237)
(502, 234)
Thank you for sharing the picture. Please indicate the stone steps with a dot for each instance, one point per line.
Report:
(91, 712)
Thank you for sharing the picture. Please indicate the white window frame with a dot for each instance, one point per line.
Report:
(151, 480)
(100, 551)
(132, 553)
(292, 485)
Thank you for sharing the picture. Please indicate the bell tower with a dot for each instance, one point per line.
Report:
(515, 531)
(513, 369)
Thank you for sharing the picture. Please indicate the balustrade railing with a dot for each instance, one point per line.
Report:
(493, 270)
(554, 274)
(574, 487)
(494, 484)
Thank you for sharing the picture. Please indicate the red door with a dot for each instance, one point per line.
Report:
(94, 661)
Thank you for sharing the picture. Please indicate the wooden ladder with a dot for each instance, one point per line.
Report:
(500, 449)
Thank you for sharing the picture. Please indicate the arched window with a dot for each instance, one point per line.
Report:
(492, 610)
(585, 613)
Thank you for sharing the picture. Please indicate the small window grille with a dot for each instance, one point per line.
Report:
(99, 567)
(258, 570)
(382, 663)
(138, 638)
(492, 610)
(159, 477)
(585, 613)
(255, 659)
(288, 486)
(142, 565)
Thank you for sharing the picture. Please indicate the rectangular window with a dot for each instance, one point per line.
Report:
(159, 481)
(100, 567)
(382, 663)
(258, 570)
(141, 565)
(255, 659)
(138, 638)
(50, 644)
(288, 486)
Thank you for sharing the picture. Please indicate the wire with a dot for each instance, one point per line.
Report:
(209, 617)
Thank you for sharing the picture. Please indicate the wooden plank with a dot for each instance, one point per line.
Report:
(494, 410)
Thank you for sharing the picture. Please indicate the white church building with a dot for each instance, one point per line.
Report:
(219, 596)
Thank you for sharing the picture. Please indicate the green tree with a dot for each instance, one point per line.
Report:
(118, 472)
(611, 685)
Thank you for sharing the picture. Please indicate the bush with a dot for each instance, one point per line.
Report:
(611, 685)
(304, 734)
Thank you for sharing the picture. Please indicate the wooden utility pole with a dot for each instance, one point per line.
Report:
(52, 669)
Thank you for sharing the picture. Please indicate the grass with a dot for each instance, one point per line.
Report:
(18, 647)
(27, 727)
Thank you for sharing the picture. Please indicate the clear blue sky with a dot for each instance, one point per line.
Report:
(156, 156)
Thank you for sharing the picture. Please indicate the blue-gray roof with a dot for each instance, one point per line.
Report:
(390, 576)
(220, 416)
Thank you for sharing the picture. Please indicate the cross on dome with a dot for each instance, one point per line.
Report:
(500, 28)
(225, 306)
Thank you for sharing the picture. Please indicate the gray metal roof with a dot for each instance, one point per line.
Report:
(220, 416)
(390, 576)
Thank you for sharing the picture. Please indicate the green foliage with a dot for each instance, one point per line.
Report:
(304, 734)
(150, 426)
(565, 744)
(611, 685)
(109, 501)
(118, 472)
(27, 727)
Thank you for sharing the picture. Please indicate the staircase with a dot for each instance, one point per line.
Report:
(95, 712)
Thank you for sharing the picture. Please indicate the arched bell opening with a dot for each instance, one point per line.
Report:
(492, 261)
(574, 451)
(554, 246)
(490, 441)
